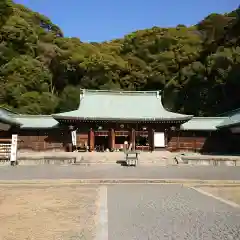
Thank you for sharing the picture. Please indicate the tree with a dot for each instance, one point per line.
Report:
(41, 71)
(69, 99)
(6, 9)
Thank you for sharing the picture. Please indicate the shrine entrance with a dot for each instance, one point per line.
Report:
(120, 138)
(101, 141)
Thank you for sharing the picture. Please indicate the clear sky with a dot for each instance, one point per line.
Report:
(100, 20)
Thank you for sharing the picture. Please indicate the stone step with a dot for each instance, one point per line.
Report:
(145, 158)
(108, 161)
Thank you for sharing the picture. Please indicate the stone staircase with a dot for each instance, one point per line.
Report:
(145, 158)
(96, 158)
(158, 158)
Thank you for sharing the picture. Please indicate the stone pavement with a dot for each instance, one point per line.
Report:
(110, 171)
(164, 212)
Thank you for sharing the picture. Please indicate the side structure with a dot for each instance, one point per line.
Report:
(231, 127)
(35, 132)
(201, 134)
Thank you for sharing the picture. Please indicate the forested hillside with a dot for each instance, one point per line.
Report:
(41, 71)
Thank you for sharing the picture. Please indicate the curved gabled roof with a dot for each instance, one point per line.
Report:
(233, 119)
(7, 116)
(36, 121)
(203, 123)
(121, 105)
(26, 121)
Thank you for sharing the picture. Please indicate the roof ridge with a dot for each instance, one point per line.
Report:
(32, 115)
(116, 91)
(230, 112)
(8, 110)
(210, 117)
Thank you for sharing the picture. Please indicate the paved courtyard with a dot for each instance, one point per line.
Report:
(113, 212)
(117, 211)
(168, 212)
(114, 171)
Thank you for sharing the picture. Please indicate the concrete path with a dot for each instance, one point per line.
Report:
(119, 172)
(164, 212)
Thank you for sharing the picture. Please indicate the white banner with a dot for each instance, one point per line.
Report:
(159, 139)
(74, 138)
(13, 157)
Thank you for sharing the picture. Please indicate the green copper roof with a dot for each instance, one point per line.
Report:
(36, 121)
(232, 119)
(203, 123)
(121, 105)
(6, 116)
(27, 121)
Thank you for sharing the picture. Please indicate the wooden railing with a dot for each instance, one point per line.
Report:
(101, 133)
(142, 133)
(122, 133)
(5, 151)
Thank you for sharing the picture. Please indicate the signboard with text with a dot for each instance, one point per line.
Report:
(74, 138)
(13, 157)
(159, 139)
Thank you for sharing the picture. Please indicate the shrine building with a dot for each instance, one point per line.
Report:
(108, 119)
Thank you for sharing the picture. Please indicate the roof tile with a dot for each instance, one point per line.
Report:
(232, 119)
(203, 123)
(36, 121)
(116, 105)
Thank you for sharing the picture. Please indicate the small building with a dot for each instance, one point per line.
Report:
(231, 121)
(231, 129)
(201, 134)
(107, 120)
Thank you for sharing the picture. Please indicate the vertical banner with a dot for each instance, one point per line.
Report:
(159, 139)
(74, 138)
(13, 157)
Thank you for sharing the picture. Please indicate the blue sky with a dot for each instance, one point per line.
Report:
(96, 20)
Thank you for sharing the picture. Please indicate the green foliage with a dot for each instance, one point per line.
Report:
(37, 103)
(69, 99)
(6, 9)
(41, 71)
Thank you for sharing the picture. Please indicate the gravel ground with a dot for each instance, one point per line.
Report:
(168, 212)
(48, 213)
(116, 171)
(228, 193)
(114, 212)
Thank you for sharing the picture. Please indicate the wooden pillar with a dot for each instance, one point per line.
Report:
(91, 140)
(111, 139)
(194, 142)
(151, 139)
(133, 138)
(70, 142)
(167, 134)
(178, 140)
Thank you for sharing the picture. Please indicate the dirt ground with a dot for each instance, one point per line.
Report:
(228, 193)
(48, 213)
